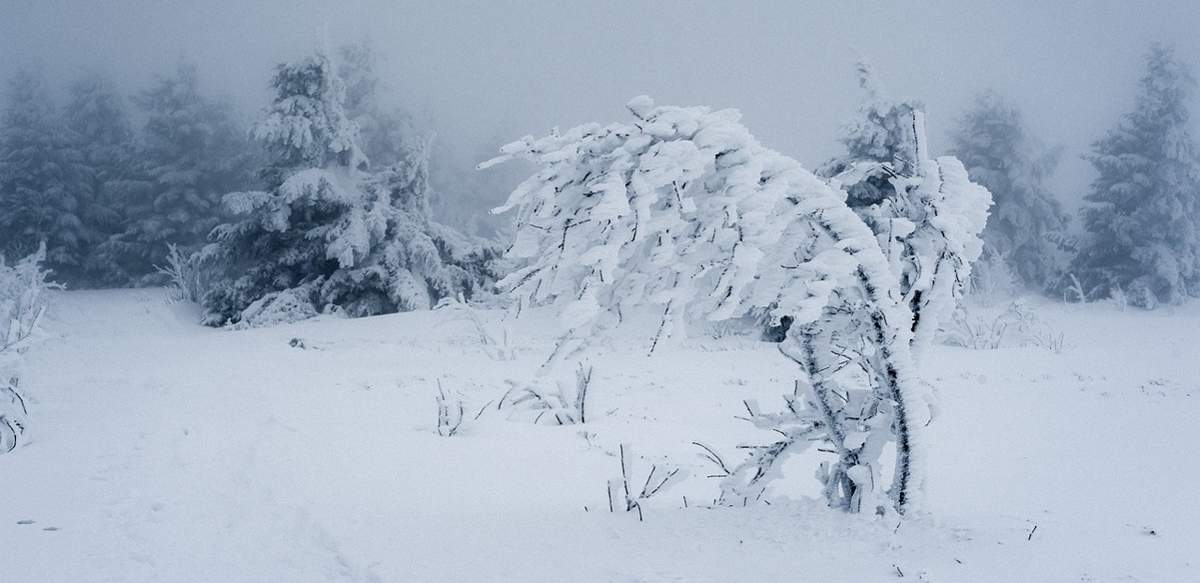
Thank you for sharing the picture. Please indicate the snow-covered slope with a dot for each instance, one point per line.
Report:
(165, 451)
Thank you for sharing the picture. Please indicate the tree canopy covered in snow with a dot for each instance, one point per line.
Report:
(684, 209)
(1026, 230)
(1143, 220)
(42, 180)
(326, 234)
(191, 153)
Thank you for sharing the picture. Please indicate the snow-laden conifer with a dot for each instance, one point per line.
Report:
(103, 137)
(1027, 227)
(191, 153)
(43, 185)
(325, 234)
(1143, 213)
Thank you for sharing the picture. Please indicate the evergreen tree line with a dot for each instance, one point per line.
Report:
(107, 195)
(186, 190)
(1140, 240)
(326, 203)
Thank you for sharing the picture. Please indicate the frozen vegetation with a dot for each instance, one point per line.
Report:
(291, 349)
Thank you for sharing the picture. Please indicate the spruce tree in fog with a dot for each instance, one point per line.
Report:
(1143, 217)
(192, 152)
(325, 234)
(42, 181)
(101, 134)
(1026, 227)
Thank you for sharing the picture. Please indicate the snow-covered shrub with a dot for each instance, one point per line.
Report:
(495, 343)
(1073, 290)
(22, 304)
(23, 299)
(1018, 325)
(449, 413)
(623, 492)
(327, 233)
(565, 405)
(187, 274)
(685, 210)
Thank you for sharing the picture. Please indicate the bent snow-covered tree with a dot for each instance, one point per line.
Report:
(684, 209)
(325, 234)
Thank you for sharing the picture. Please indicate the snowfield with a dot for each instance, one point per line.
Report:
(164, 451)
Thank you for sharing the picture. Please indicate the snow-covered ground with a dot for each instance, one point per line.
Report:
(163, 451)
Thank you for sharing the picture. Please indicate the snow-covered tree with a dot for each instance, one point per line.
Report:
(102, 136)
(1027, 226)
(924, 211)
(41, 180)
(685, 210)
(325, 234)
(1143, 220)
(192, 152)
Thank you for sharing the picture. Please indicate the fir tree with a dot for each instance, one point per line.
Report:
(1026, 229)
(192, 153)
(42, 179)
(1143, 220)
(102, 135)
(325, 234)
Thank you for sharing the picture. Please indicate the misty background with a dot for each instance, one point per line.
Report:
(480, 74)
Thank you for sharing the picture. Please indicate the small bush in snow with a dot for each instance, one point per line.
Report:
(186, 274)
(495, 344)
(567, 405)
(624, 494)
(449, 413)
(1073, 291)
(22, 305)
(1018, 325)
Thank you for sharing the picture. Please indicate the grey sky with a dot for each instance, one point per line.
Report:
(489, 71)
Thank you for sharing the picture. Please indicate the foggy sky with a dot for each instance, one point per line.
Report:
(488, 72)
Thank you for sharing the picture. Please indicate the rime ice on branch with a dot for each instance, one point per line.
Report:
(684, 209)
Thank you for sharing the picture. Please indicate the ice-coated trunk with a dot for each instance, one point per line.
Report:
(890, 372)
(890, 331)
